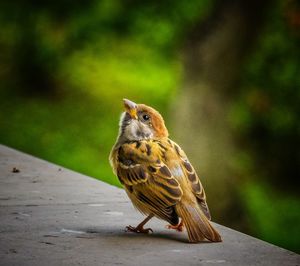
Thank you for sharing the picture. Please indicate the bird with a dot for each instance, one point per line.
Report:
(157, 176)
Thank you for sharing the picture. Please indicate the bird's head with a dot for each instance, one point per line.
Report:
(140, 121)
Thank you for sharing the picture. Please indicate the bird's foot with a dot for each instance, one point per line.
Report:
(179, 227)
(138, 229)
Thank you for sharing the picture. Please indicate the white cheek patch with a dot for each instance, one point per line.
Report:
(139, 131)
(146, 131)
(131, 130)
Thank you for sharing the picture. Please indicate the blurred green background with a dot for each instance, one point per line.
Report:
(224, 74)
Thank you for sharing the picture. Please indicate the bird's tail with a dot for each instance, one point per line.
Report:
(197, 225)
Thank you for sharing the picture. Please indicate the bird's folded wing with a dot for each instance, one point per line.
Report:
(143, 172)
(193, 178)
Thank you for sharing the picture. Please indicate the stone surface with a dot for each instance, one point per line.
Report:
(53, 216)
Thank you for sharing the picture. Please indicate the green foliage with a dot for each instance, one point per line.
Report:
(265, 112)
(104, 70)
(272, 215)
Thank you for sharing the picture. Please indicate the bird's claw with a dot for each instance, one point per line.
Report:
(179, 227)
(138, 229)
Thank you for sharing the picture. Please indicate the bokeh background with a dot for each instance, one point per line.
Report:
(225, 74)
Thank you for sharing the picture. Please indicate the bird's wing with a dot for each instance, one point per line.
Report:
(193, 178)
(147, 178)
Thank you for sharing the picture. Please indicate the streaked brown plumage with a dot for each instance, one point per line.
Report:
(157, 175)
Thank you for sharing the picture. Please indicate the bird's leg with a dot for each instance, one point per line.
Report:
(140, 228)
(179, 227)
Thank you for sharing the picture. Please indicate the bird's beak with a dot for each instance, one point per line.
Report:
(131, 108)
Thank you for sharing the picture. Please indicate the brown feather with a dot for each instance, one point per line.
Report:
(197, 224)
(152, 187)
(190, 175)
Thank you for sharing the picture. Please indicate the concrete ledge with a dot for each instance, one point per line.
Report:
(53, 216)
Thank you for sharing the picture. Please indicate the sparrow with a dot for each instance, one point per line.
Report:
(157, 175)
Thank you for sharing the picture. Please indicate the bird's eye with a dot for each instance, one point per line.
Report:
(146, 117)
